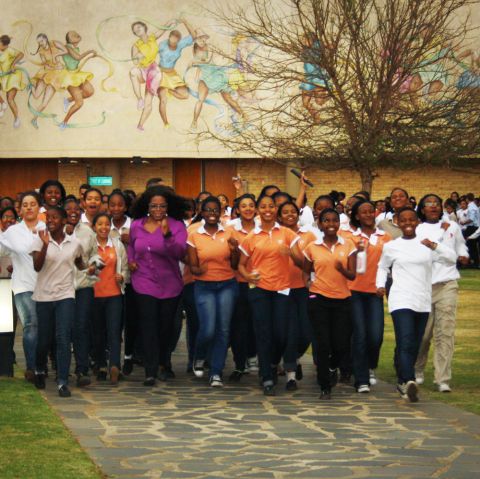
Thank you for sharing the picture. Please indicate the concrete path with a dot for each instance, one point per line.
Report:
(184, 429)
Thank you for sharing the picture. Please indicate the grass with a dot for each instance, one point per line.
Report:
(466, 360)
(34, 443)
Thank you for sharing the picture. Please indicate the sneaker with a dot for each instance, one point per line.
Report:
(114, 374)
(402, 389)
(291, 385)
(30, 376)
(216, 381)
(64, 392)
(269, 390)
(412, 391)
(236, 376)
(419, 377)
(325, 394)
(149, 381)
(333, 377)
(363, 388)
(299, 372)
(102, 375)
(444, 388)
(127, 367)
(373, 378)
(83, 380)
(40, 381)
(199, 368)
(252, 364)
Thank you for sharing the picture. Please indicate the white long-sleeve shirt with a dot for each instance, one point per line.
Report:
(453, 238)
(411, 264)
(16, 242)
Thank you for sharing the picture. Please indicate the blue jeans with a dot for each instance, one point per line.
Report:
(368, 325)
(409, 329)
(215, 301)
(82, 329)
(55, 318)
(107, 329)
(270, 319)
(27, 313)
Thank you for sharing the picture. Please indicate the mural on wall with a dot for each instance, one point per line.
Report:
(76, 80)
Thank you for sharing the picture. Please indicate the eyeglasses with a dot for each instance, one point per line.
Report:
(211, 210)
(156, 206)
(432, 203)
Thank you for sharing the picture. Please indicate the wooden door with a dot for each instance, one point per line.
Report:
(217, 177)
(18, 175)
(187, 176)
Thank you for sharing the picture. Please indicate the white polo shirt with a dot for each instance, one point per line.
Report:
(55, 280)
(16, 242)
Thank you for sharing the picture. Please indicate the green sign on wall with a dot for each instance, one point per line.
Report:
(100, 181)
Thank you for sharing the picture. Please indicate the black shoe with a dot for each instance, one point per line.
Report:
(127, 367)
(275, 375)
(83, 380)
(163, 376)
(102, 375)
(333, 378)
(169, 372)
(64, 392)
(326, 394)
(39, 381)
(189, 370)
(269, 390)
(291, 385)
(299, 372)
(149, 382)
(236, 376)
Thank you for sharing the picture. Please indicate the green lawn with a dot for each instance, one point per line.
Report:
(466, 362)
(34, 443)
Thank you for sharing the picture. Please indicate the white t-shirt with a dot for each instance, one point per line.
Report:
(411, 264)
(16, 242)
(452, 237)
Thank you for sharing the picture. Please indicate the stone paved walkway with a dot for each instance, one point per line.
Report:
(184, 429)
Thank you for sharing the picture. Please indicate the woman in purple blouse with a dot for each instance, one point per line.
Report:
(158, 241)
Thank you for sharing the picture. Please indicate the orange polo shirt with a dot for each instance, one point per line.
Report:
(107, 286)
(297, 276)
(267, 256)
(187, 273)
(365, 283)
(239, 234)
(213, 251)
(328, 281)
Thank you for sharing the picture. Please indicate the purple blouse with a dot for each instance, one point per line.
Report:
(158, 272)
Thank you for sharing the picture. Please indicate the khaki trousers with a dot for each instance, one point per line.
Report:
(440, 327)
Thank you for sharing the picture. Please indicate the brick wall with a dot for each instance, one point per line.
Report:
(259, 173)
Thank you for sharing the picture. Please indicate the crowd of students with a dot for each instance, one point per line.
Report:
(267, 277)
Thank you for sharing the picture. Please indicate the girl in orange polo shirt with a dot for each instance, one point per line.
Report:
(212, 257)
(264, 263)
(108, 302)
(333, 260)
(241, 335)
(367, 307)
(300, 330)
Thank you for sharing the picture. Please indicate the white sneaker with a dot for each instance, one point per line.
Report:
(402, 389)
(363, 388)
(444, 388)
(412, 391)
(252, 364)
(16, 123)
(419, 377)
(216, 381)
(373, 377)
(140, 104)
(198, 369)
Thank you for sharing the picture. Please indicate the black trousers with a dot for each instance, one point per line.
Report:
(332, 329)
(157, 326)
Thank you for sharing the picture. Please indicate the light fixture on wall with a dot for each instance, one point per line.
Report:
(138, 160)
(67, 161)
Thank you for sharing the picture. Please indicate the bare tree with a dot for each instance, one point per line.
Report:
(358, 84)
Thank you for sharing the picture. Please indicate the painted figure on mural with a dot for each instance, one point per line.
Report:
(11, 79)
(213, 78)
(315, 85)
(49, 79)
(76, 81)
(241, 78)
